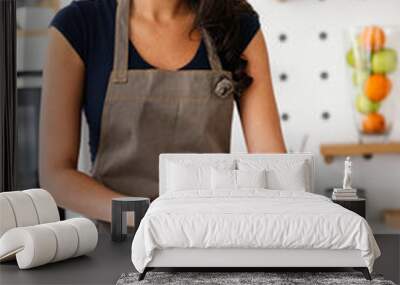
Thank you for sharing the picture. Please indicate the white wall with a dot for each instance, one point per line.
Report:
(304, 96)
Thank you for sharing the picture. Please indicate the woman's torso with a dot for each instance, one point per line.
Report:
(89, 27)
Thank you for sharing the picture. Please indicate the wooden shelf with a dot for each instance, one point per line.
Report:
(329, 151)
(52, 4)
(32, 33)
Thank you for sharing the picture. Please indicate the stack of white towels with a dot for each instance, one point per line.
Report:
(344, 194)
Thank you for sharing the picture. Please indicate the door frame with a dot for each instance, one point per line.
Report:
(8, 97)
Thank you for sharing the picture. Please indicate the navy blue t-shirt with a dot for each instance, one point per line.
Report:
(88, 26)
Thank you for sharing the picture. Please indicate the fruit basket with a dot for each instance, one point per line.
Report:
(372, 58)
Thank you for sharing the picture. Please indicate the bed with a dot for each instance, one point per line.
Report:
(247, 211)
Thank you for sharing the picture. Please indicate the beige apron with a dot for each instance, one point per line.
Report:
(148, 112)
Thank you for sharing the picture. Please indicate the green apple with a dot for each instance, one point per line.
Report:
(366, 106)
(384, 61)
(356, 57)
(350, 58)
(360, 76)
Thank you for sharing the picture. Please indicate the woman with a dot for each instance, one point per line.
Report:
(152, 77)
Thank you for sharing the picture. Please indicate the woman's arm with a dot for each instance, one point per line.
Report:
(60, 129)
(258, 110)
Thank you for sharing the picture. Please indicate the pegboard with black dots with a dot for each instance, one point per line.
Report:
(306, 43)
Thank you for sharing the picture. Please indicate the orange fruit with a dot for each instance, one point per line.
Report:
(377, 87)
(373, 38)
(374, 123)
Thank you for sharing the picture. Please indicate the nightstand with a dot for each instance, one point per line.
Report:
(356, 206)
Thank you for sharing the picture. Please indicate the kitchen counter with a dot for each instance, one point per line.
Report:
(102, 266)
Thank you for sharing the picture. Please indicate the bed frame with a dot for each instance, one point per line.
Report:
(257, 259)
(237, 259)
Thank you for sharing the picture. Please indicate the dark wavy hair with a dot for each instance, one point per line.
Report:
(221, 18)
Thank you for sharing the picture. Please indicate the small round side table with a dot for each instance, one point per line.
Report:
(120, 206)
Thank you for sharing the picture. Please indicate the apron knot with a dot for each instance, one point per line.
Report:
(224, 87)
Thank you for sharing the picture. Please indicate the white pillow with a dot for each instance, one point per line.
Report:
(281, 174)
(251, 178)
(223, 179)
(236, 179)
(187, 177)
(187, 174)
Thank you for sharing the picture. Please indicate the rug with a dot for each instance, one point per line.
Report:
(253, 278)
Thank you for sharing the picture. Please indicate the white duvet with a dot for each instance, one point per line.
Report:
(250, 219)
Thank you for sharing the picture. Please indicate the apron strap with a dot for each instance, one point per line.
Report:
(213, 58)
(121, 44)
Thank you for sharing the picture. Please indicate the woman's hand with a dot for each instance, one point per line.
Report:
(258, 110)
(60, 129)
